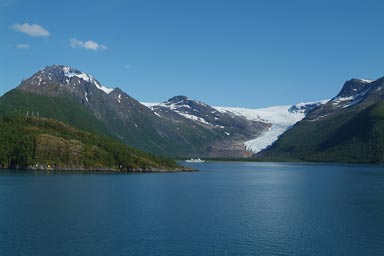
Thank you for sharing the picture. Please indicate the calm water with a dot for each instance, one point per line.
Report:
(225, 209)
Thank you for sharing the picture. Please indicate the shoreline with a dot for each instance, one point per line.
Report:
(103, 170)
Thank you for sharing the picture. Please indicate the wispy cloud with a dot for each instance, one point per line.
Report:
(88, 45)
(23, 46)
(31, 29)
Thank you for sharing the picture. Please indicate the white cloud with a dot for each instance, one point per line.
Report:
(31, 29)
(88, 45)
(23, 46)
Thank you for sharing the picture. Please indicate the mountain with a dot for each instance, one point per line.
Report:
(209, 117)
(180, 127)
(116, 113)
(47, 144)
(348, 128)
(236, 129)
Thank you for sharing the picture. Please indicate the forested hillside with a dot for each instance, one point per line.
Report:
(41, 143)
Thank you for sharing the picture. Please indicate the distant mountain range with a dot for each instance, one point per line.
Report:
(179, 127)
(345, 128)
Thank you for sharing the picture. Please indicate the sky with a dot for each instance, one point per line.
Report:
(239, 53)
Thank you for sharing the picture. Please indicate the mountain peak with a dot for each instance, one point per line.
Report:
(66, 75)
(353, 87)
(306, 107)
(177, 99)
(61, 70)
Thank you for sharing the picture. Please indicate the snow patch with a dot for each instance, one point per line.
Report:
(350, 101)
(150, 105)
(69, 72)
(101, 87)
(302, 106)
(178, 109)
(194, 118)
(366, 80)
(339, 100)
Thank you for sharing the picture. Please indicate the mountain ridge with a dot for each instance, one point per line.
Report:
(348, 128)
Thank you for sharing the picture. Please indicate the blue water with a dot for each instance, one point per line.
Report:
(225, 209)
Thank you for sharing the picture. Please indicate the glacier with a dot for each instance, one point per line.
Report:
(279, 116)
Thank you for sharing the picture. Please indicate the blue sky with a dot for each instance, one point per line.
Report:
(224, 52)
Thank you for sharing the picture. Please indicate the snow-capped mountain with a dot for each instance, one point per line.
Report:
(235, 128)
(258, 128)
(208, 116)
(117, 114)
(191, 109)
(109, 105)
(348, 128)
(354, 93)
(67, 78)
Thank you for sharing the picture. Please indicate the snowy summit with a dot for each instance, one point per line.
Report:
(64, 74)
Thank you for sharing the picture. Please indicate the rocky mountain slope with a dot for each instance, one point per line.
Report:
(348, 128)
(236, 128)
